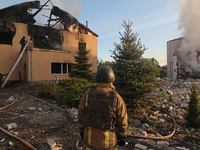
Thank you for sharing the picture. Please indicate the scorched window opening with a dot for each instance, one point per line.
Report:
(60, 68)
(6, 38)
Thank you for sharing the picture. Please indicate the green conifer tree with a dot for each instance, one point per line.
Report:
(135, 77)
(101, 63)
(193, 116)
(81, 69)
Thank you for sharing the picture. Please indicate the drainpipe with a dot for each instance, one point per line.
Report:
(31, 68)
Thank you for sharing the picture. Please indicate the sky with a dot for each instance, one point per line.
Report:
(156, 22)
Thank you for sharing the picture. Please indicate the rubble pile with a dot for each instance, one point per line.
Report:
(177, 107)
(73, 113)
(180, 91)
(36, 121)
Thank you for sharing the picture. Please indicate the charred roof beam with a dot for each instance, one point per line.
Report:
(33, 15)
(65, 18)
(57, 20)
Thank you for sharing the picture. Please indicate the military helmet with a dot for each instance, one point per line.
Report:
(105, 74)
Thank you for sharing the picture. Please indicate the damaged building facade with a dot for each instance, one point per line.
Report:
(183, 59)
(51, 48)
(172, 63)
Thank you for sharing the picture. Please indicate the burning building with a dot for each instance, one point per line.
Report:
(182, 59)
(172, 64)
(183, 54)
(49, 50)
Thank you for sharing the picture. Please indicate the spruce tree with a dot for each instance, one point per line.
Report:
(101, 63)
(135, 77)
(193, 116)
(81, 69)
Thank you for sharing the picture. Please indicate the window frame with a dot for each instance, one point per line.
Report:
(61, 68)
(6, 38)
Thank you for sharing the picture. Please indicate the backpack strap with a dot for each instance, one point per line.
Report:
(115, 105)
(86, 100)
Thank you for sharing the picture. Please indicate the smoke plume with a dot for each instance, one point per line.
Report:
(71, 6)
(189, 24)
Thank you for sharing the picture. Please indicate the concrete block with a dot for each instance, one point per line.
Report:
(165, 144)
(137, 122)
(153, 118)
(140, 130)
(11, 126)
(11, 99)
(160, 143)
(56, 148)
(162, 121)
(144, 133)
(184, 105)
(139, 134)
(32, 108)
(51, 143)
(145, 125)
(140, 147)
(155, 113)
(171, 108)
(14, 125)
(159, 115)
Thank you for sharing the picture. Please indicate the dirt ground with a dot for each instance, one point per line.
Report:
(37, 122)
(40, 120)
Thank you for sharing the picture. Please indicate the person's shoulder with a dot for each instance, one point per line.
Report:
(90, 90)
(118, 96)
(116, 93)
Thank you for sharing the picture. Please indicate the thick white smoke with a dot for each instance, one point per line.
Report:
(189, 24)
(71, 6)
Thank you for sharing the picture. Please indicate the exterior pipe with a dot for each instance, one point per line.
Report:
(31, 68)
(19, 139)
(143, 137)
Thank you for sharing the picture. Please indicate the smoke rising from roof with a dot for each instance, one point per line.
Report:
(189, 24)
(71, 6)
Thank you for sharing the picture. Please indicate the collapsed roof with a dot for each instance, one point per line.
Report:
(21, 13)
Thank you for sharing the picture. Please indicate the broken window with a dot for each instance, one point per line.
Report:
(7, 32)
(61, 68)
(46, 38)
(6, 38)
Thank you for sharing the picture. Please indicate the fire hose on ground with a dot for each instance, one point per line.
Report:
(146, 137)
(77, 141)
(7, 106)
(158, 138)
(13, 136)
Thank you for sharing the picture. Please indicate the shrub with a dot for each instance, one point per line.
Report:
(72, 90)
(67, 91)
(49, 90)
(193, 116)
